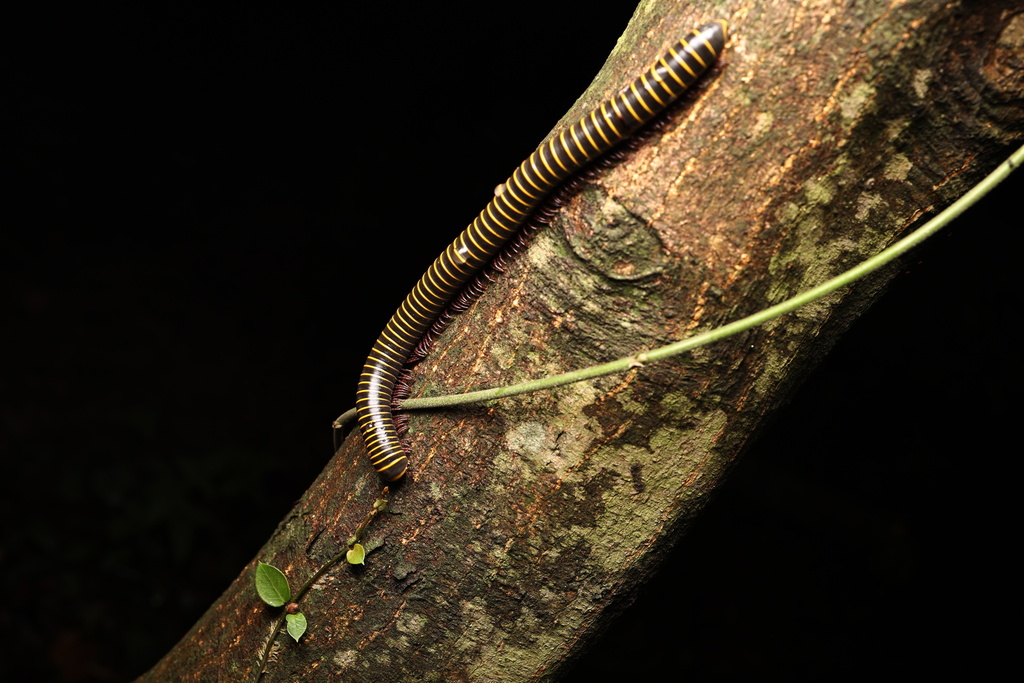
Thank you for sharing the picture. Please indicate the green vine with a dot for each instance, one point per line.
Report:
(639, 359)
(273, 588)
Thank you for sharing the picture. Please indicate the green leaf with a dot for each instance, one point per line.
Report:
(296, 625)
(356, 554)
(272, 585)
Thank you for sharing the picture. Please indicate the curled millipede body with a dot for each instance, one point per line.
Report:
(408, 333)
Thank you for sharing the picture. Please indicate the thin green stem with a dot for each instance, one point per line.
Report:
(269, 647)
(378, 506)
(874, 263)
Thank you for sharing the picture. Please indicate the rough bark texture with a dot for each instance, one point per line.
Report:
(829, 130)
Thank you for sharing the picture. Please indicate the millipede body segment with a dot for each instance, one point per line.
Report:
(531, 183)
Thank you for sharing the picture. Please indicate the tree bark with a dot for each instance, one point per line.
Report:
(825, 133)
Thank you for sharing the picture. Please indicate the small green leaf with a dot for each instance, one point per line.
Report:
(356, 554)
(296, 625)
(272, 585)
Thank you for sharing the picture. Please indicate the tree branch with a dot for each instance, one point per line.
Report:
(824, 135)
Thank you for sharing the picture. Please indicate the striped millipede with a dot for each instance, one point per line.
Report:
(519, 197)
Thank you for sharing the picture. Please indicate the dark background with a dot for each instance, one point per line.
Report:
(186, 308)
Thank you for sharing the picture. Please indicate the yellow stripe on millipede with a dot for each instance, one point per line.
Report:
(608, 117)
(497, 205)
(540, 174)
(503, 198)
(561, 140)
(650, 89)
(672, 73)
(640, 99)
(681, 61)
(554, 155)
(597, 127)
(696, 55)
(517, 186)
(544, 162)
(583, 127)
(476, 244)
(575, 131)
(625, 103)
(525, 168)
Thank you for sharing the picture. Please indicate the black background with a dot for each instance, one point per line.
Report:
(186, 305)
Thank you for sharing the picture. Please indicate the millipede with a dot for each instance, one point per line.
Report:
(515, 201)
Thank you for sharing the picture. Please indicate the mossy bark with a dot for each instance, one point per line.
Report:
(826, 132)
